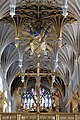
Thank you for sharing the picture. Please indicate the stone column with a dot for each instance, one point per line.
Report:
(1, 78)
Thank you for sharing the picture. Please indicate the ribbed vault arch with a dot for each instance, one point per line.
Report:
(65, 56)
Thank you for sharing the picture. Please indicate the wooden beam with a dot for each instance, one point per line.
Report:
(35, 74)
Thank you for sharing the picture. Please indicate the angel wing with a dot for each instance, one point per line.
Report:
(79, 99)
(70, 100)
(6, 100)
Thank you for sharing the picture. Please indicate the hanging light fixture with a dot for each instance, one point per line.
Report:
(65, 7)
(12, 7)
(17, 43)
(53, 78)
(20, 62)
(59, 42)
(22, 79)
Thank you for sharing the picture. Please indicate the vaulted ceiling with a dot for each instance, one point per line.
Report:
(45, 16)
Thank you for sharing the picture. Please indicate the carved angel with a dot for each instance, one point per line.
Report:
(3, 102)
(75, 99)
(19, 99)
(56, 101)
(6, 103)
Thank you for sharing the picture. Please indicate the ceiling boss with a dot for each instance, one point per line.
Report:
(38, 43)
(37, 36)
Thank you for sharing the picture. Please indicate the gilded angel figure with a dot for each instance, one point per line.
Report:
(75, 100)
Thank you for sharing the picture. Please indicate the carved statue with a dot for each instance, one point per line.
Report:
(3, 102)
(56, 101)
(19, 99)
(75, 99)
(6, 103)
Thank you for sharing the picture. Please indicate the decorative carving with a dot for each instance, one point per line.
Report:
(3, 102)
(75, 99)
(56, 101)
(19, 100)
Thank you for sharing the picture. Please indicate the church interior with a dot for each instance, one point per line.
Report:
(39, 59)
